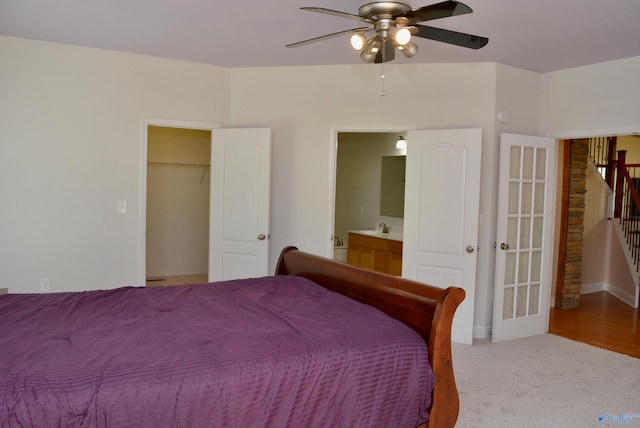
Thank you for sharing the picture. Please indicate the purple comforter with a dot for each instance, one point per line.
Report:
(268, 352)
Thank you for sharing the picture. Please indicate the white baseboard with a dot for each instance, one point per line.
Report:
(481, 332)
(625, 296)
(593, 287)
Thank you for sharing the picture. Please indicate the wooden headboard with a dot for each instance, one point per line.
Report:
(427, 309)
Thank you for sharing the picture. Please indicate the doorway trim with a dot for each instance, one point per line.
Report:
(561, 137)
(333, 159)
(144, 147)
(571, 135)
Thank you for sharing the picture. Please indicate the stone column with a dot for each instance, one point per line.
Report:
(575, 224)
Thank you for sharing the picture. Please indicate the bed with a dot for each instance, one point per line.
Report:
(320, 343)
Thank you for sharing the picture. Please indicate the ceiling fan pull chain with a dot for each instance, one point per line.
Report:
(383, 92)
(384, 54)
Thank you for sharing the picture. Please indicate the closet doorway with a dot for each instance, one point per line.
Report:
(178, 199)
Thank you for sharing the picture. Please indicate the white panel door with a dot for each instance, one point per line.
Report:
(527, 183)
(240, 185)
(441, 215)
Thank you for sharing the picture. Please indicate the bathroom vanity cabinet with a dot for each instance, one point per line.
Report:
(377, 253)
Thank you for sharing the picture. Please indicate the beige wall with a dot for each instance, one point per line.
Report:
(597, 233)
(302, 104)
(632, 146)
(70, 147)
(593, 100)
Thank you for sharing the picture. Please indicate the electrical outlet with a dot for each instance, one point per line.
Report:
(45, 285)
(122, 206)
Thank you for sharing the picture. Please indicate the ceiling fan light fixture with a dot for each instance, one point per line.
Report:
(358, 41)
(409, 50)
(403, 36)
(370, 50)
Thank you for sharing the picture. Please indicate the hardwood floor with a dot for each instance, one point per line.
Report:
(601, 320)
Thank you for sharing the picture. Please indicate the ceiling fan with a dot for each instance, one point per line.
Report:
(393, 25)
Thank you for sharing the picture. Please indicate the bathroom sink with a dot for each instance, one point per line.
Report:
(394, 236)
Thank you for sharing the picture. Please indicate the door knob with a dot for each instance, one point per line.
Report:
(470, 248)
(504, 246)
(261, 237)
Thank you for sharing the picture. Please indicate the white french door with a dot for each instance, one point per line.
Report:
(239, 214)
(441, 215)
(527, 182)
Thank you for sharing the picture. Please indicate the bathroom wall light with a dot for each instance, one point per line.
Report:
(401, 144)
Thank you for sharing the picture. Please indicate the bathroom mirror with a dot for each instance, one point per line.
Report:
(392, 186)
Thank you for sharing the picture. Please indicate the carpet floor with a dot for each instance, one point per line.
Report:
(545, 381)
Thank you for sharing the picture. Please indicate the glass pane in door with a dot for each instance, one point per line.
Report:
(527, 163)
(525, 225)
(541, 164)
(525, 233)
(510, 269)
(534, 299)
(507, 309)
(512, 232)
(538, 203)
(514, 198)
(514, 169)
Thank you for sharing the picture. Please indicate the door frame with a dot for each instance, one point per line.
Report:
(561, 136)
(333, 160)
(144, 147)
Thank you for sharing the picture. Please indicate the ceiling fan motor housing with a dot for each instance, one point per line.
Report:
(382, 10)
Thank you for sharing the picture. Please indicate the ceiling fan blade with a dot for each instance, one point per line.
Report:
(451, 37)
(334, 13)
(436, 11)
(386, 53)
(327, 36)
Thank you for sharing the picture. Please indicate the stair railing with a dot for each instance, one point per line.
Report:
(602, 151)
(627, 203)
(624, 181)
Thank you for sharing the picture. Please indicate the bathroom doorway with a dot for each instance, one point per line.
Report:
(359, 185)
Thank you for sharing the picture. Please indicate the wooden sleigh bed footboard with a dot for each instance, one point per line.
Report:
(426, 309)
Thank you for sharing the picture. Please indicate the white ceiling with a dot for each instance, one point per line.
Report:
(537, 35)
